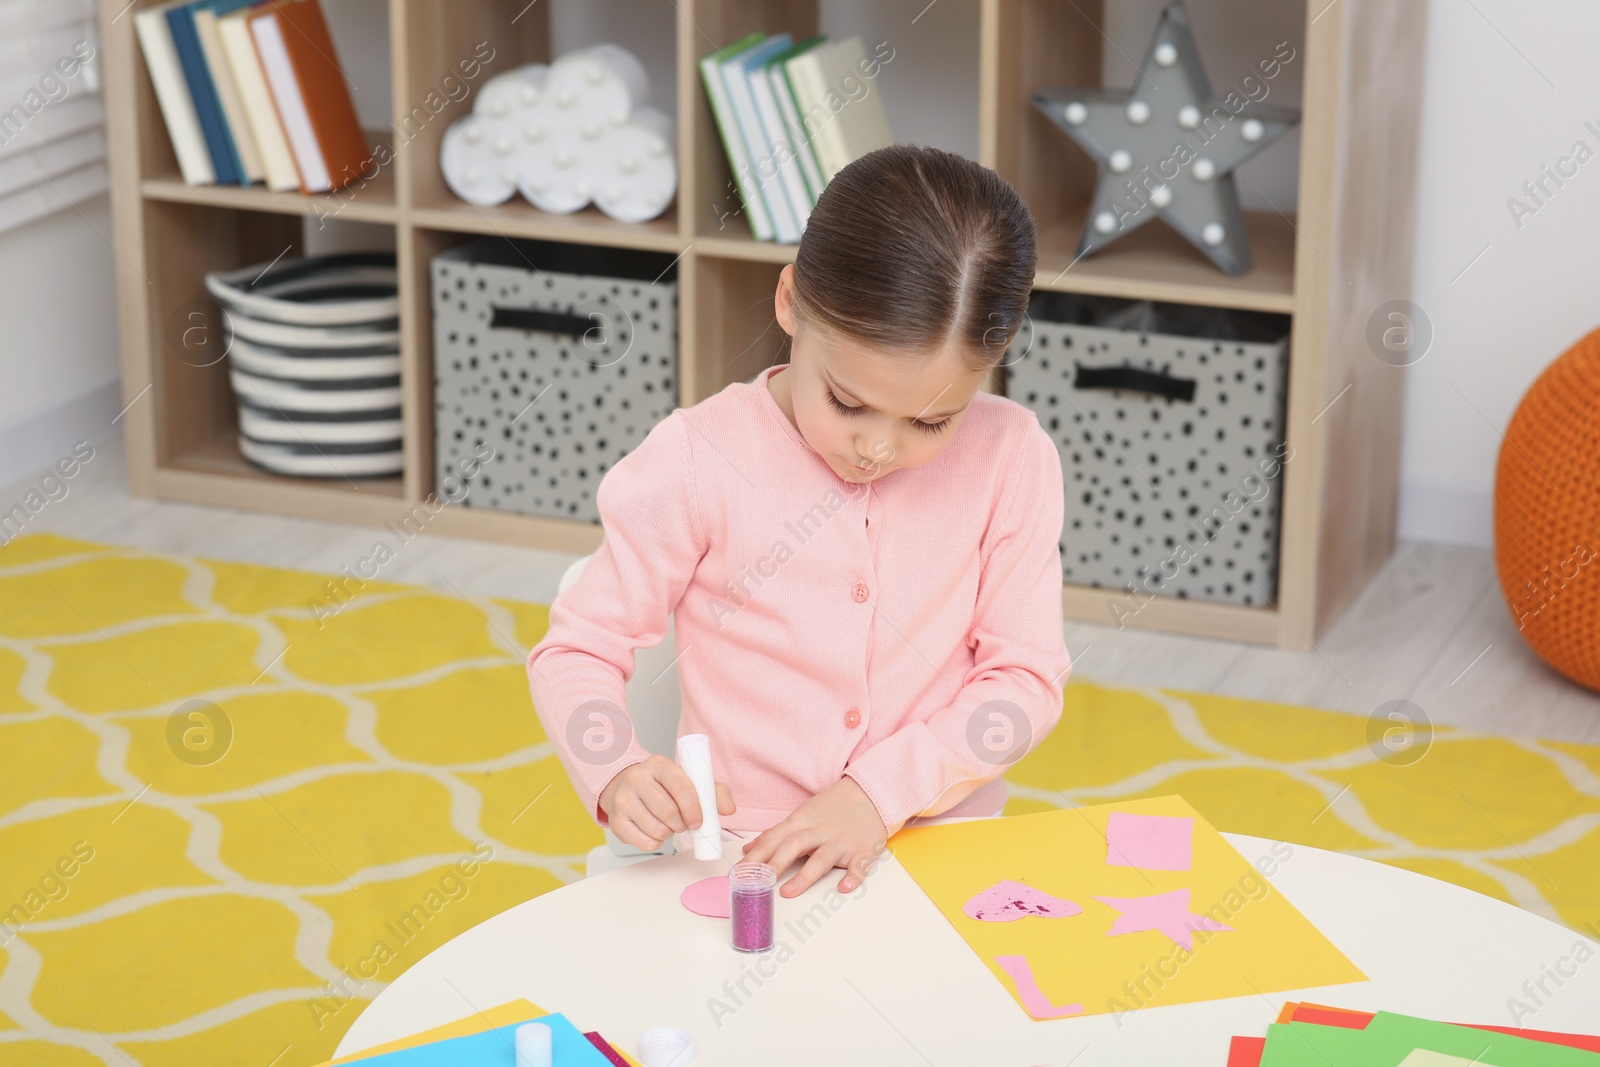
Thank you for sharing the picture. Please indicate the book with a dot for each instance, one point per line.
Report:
(244, 140)
(737, 72)
(276, 158)
(776, 132)
(172, 94)
(859, 124)
(213, 126)
(755, 209)
(311, 94)
(800, 136)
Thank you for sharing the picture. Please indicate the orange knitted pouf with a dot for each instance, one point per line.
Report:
(1547, 514)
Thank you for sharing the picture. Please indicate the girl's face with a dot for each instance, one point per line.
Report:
(865, 412)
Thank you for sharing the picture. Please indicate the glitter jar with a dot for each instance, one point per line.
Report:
(752, 889)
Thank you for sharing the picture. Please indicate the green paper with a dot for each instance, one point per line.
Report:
(1482, 1046)
(1389, 1039)
(1313, 1045)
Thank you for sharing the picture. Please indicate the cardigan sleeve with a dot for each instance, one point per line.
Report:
(1012, 696)
(653, 540)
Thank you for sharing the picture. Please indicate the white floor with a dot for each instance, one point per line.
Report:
(1431, 629)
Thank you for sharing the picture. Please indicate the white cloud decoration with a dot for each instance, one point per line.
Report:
(565, 134)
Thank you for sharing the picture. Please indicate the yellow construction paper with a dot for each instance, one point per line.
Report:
(1270, 948)
(513, 1011)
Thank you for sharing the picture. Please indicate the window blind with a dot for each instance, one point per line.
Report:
(52, 113)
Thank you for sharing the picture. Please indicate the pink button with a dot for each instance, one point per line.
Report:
(859, 592)
(852, 718)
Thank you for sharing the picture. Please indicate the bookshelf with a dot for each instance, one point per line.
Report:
(1345, 251)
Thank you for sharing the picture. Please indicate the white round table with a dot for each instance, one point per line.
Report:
(885, 979)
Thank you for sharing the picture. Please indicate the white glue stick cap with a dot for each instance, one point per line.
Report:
(694, 756)
(533, 1045)
(666, 1046)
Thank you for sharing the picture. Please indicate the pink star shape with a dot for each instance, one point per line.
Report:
(1166, 912)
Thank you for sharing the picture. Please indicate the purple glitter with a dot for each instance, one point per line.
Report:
(752, 889)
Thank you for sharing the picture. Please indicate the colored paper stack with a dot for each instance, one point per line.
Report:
(252, 91)
(792, 116)
(1313, 1035)
(490, 1037)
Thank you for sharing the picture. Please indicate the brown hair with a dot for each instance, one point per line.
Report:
(911, 247)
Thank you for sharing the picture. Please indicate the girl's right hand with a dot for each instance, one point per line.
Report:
(650, 801)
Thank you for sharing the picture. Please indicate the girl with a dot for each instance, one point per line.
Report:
(859, 547)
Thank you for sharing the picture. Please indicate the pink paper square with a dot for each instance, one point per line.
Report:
(1153, 842)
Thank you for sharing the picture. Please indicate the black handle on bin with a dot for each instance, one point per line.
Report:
(545, 321)
(1141, 381)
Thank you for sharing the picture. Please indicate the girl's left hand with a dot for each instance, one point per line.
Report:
(839, 827)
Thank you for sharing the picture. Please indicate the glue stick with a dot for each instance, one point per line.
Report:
(533, 1045)
(694, 756)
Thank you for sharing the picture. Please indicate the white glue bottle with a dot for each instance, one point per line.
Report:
(694, 756)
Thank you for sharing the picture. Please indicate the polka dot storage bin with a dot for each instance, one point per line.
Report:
(1170, 424)
(560, 357)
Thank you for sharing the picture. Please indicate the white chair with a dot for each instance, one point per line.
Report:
(654, 703)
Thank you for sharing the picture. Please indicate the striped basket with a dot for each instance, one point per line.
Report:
(314, 358)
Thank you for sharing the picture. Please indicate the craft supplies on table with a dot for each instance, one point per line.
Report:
(1116, 908)
(535, 1045)
(694, 756)
(751, 891)
(666, 1046)
(1315, 1035)
(493, 1037)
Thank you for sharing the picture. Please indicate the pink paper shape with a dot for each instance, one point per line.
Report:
(1007, 901)
(1166, 912)
(1033, 999)
(1153, 842)
(708, 897)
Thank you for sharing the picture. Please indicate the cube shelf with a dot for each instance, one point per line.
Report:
(1361, 72)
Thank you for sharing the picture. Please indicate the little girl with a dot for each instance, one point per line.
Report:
(859, 547)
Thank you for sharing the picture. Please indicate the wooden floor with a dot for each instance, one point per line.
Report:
(1431, 629)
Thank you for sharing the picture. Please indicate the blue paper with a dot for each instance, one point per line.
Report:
(497, 1048)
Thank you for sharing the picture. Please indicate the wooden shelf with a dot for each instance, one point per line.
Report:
(1197, 618)
(214, 472)
(1359, 65)
(743, 246)
(1154, 262)
(369, 200)
(371, 206)
(517, 218)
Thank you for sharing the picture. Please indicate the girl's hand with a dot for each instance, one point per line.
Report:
(839, 827)
(650, 801)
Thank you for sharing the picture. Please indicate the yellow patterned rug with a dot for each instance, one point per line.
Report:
(238, 800)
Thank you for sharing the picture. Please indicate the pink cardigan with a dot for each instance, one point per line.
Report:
(906, 632)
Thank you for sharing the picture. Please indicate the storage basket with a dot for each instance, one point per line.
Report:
(1170, 424)
(313, 350)
(560, 357)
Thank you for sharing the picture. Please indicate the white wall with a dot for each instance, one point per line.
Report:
(1508, 88)
(59, 377)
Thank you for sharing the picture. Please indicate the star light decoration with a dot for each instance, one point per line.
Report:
(1168, 147)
